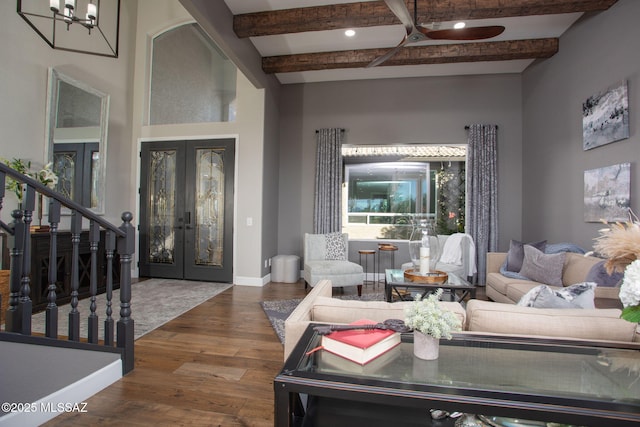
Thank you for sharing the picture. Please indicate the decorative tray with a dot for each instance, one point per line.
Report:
(433, 277)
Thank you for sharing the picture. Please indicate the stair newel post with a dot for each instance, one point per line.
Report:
(16, 242)
(126, 249)
(51, 323)
(94, 239)
(110, 246)
(25, 305)
(74, 314)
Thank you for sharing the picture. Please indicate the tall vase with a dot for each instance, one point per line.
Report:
(425, 347)
(423, 235)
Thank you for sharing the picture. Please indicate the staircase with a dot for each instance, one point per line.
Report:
(54, 373)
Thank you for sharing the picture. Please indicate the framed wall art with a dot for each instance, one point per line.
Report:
(607, 193)
(605, 117)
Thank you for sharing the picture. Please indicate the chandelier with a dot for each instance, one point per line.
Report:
(97, 24)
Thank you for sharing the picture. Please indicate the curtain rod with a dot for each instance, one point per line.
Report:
(317, 131)
(467, 127)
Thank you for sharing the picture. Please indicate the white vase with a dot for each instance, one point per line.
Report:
(425, 347)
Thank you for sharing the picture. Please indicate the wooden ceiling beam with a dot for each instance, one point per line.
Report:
(432, 54)
(375, 13)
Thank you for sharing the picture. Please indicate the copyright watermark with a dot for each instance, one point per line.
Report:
(49, 407)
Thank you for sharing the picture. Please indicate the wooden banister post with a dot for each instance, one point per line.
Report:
(24, 304)
(110, 247)
(74, 314)
(51, 323)
(16, 251)
(94, 239)
(126, 249)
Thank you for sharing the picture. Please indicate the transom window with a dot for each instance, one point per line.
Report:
(192, 81)
(385, 186)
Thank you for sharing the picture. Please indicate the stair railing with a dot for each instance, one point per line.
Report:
(118, 240)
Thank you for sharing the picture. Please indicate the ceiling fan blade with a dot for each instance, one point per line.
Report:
(402, 13)
(379, 60)
(472, 33)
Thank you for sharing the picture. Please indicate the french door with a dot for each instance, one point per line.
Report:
(186, 210)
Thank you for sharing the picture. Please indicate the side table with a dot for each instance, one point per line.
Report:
(366, 253)
(389, 249)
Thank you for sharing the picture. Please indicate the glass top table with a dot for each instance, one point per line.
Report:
(572, 382)
(397, 287)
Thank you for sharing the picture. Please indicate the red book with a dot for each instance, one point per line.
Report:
(358, 345)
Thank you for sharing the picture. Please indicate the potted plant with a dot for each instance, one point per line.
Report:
(430, 322)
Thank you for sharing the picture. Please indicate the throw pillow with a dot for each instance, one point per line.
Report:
(580, 295)
(541, 267)
(547, 298)
(529, 298)
(516, 253)
(335, 248)
(599, 275)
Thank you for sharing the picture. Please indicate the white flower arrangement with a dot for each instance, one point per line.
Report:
(430, 318)
(630, 292)
(620, 246)
(45, 176)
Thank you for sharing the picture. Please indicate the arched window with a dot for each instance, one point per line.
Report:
(192, 81)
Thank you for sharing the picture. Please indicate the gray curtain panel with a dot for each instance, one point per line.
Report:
(328, 192)
(482, 192)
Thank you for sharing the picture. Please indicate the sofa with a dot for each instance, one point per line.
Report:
(319, 307)
(576, 267)
(479, 317)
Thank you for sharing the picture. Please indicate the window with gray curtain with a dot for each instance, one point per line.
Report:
(482, 192)
(328, 188)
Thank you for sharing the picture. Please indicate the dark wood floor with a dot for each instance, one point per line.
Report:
(214, 365)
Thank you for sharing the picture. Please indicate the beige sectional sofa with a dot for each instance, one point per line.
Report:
(319, 307)
(479, 317)
(576, 267)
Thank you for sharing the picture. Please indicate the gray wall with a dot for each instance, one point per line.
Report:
(23, 69)
(597, 53)
(393, 111)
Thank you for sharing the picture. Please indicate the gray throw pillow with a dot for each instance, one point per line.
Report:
(541, 267)
(516, 253)
(599, 275)
(547, 298)
(529, 298)
(335, 248)
(580, 295)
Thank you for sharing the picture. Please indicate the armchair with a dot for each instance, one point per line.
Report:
(325, 257)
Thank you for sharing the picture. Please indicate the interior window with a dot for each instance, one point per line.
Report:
(192, 81)
(385, 186)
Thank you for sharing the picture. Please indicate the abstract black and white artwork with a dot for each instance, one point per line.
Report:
(605, 117)
(607, 192)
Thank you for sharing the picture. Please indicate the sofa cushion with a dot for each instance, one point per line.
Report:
(595, 324)
(576, 268)
(541, 267)
(515, 255)
(334, 310)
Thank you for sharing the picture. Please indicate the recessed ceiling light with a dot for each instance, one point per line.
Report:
(350, 33)
(459, 25)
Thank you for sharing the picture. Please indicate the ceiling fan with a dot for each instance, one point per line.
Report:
(417, 33)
